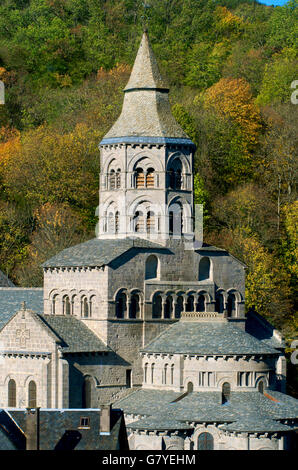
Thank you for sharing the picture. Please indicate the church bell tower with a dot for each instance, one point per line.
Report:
(146, 182)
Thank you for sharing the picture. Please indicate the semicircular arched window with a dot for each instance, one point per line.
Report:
(231, 305)
(261, 386)
(140, 178)
(84, 307)
(205, 441)
(87, 392)
(121, 305)
(169, 307)
(112, 179)
(157, 306)
(66, 305)
(151, 269)
(134, 309)
(12, 394)
(204, 269)
(219, 304)
(150, 178)
(179, 306)
(32, 394)
(225, 393)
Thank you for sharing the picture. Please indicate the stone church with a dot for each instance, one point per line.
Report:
(144, 316)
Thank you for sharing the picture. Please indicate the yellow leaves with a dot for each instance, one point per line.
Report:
(53, 167)
(8, 77)
(232, 97)
(227, 20)
(290, 214)
(267, 282)
(9, 144)
(116, 72)
(63, 80)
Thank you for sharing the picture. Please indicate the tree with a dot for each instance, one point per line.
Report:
(55, 168)
(56, 227)
(278, 76)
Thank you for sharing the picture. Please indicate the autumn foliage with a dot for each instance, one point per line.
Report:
(230, 65)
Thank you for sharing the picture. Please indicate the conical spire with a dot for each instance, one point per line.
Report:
(145, 72)
(146, 112)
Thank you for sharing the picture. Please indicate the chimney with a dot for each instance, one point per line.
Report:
(32, 428)
(105, 419)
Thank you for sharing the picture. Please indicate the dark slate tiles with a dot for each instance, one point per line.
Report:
(75, 335)
(11, 300)
(247, 411)
(97, 252)
(207, 338)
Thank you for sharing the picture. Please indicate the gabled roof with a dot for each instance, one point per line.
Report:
(207, 338)
(74, 335)
(11, 299)
(98, 252)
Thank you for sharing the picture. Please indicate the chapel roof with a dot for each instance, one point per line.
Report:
(11, 299)
(146, 113)
(74, 335)
(245, 411)
(98, 252)
(207, 338)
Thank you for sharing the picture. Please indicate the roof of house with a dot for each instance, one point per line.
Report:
(60, 430)
(5, 281)
(98, 252)
(146, 112)
(11, 299)
(206, 407)
(74, 335)
(207, 338)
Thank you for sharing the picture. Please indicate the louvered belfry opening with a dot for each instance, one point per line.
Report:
(150, 178)
(150, 222)
(139, 222)
(140, 178)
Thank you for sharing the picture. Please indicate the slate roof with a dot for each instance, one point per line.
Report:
(98, 252)
(146, 110)
(145, 72)
(60, 430)
(11, 299)
(140, 401)
(246, 411)
(74, 335)
(207, 338)
(4, 281)
(256, 423)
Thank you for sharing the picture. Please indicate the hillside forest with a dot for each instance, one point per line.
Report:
(230, 65)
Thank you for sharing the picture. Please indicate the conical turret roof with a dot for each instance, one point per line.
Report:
(146, 112)
(145, 72)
